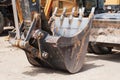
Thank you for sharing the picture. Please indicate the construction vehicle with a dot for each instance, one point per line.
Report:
(105, 30)
(6, 14)
(54, 40)
(112, 5)
(59, 42)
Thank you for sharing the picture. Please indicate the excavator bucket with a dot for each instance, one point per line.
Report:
(65, 49)
(59, 43)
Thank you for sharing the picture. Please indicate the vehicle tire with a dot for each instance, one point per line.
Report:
(33, 60)
(1, 22)
(89, 49)
(100, 50)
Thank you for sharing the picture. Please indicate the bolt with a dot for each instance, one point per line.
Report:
(45, 55)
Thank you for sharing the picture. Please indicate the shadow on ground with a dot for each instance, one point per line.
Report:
(38, 70)
(35, 71)
(114, 57)
(89, 66)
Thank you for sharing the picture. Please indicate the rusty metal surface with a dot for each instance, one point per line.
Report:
(107, 16)
(106, 20)
(105, 35)
(106, 28)
(68, 30)
(106, 23)
(64, 56)
(64, 52)
(66, 48)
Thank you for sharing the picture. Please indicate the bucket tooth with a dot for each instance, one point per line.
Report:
(71, 16)
(54, 13)
(62, 17)
(52, 19)
(83, 10)
(92, 12)
(81, 13)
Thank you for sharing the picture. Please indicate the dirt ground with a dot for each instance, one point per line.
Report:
(14, 66)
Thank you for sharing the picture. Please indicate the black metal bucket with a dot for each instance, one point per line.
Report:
(66, 52)
(65, 49)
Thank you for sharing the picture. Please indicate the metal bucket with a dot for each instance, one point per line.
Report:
(66, 48)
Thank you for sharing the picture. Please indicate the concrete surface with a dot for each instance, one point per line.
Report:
(14, 66)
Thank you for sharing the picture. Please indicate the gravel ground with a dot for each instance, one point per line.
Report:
(14, 66)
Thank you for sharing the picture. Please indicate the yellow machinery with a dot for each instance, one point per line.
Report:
(48, 7)
(112, 5)
(112, 2)
(69, 4)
